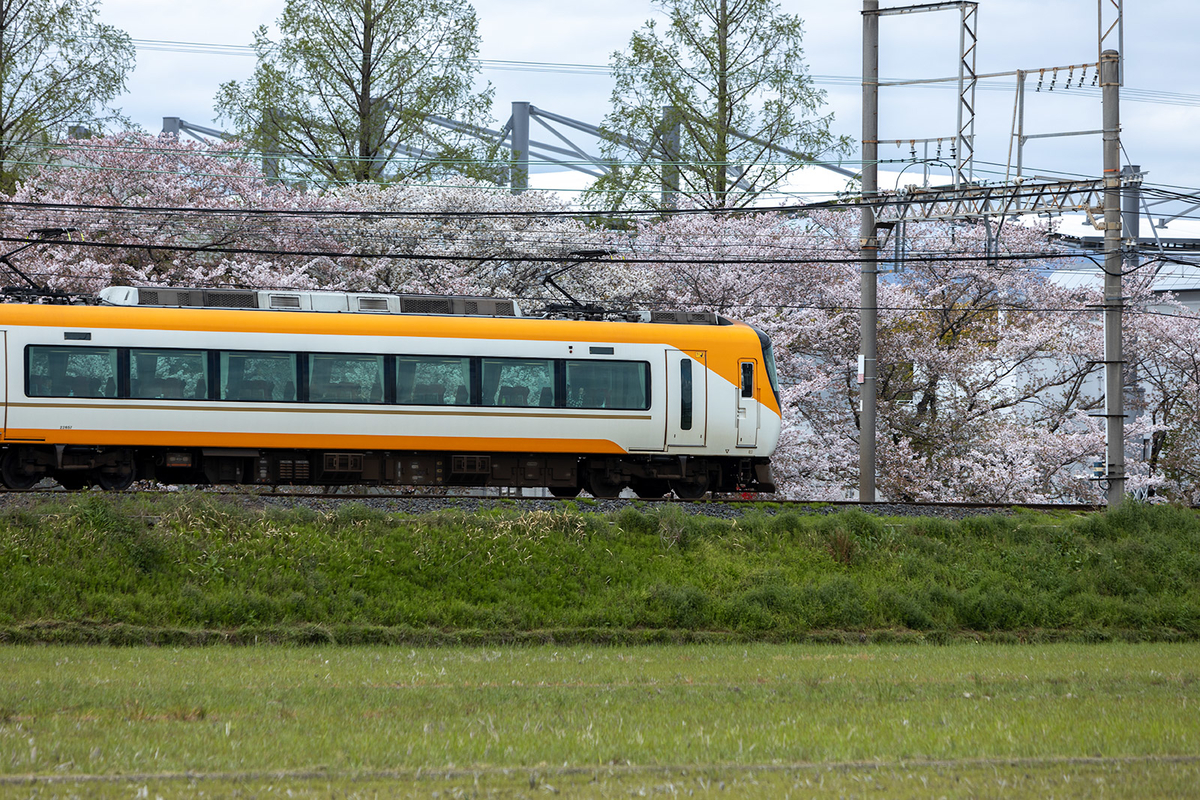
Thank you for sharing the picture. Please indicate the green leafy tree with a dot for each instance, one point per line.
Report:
(58, 65)
(345, 94)
(720, 94)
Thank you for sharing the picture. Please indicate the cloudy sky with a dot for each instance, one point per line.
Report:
(1160, 109)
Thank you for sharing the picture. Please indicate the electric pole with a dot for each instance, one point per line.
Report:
(1114, 301)
(869, 256)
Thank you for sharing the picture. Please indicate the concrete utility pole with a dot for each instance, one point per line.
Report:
(519, 177)
(869, 256)
(1131, 214)
(270, 156)
(671, 126)
(1114, 301)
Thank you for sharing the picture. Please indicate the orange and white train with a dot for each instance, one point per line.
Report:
(283, 387)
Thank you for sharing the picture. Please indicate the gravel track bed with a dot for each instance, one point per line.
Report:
(722, 510)
(428, 505)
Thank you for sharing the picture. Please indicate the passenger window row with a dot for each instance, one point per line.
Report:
(251, 376)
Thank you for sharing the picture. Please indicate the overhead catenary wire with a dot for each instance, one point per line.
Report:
(998, 168)
(250, 156)
(200, 221)
(512, 258)
(639, 302)
(1183, 192)
(538, 245)
(1186, 194)
(242, 213)
(845, 203)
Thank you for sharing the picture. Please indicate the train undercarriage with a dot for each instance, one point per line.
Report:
(564, 475)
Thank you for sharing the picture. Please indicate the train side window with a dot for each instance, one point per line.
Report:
(525, 382)
(169, 374)
(608, 384)
(345, 378)
(433, 381)
(258, 377)
(685, 394)
(53, 371)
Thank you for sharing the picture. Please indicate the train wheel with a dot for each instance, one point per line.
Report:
(116, 479)
(691, 489)
(603, 488)
(73, 481)
(650, 488)
(13, 472)
(564, 492)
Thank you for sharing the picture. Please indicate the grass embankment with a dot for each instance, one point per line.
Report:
(757, 720)
(200, 568)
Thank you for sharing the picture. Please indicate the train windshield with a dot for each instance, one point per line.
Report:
(769, 362)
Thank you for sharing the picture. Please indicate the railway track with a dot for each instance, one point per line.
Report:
(719, 505)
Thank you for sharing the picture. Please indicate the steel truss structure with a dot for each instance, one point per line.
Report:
(515, 137)
(968, 40)
(978, 202)
(966, 201)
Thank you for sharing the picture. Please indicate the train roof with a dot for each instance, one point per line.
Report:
(684, 330)
(357, 302)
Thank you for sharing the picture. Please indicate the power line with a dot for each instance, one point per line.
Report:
(1155, 96)
(1153, 189)
(1186, 194)
(637, 301)
(549, 259)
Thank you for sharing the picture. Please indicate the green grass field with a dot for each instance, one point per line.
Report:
(663, 654)
(198, 568)
(981, 720)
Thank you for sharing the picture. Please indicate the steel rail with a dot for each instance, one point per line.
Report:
(719, 500)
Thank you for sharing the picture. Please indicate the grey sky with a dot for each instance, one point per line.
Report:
(1024, 34)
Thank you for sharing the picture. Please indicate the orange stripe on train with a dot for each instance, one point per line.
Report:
(310, 441)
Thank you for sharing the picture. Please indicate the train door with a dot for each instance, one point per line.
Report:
(687, 397)
(747, 404)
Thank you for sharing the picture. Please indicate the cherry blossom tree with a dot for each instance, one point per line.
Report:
(984, 364)
(984, 369)
(1165, 360)
(152, 210)
(988, 371)
(468, 237)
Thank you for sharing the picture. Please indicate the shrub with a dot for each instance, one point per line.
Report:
(679, 606)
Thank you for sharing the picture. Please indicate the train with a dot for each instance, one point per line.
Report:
(230, 386)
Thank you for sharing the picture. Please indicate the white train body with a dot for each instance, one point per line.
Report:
(105, 394)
